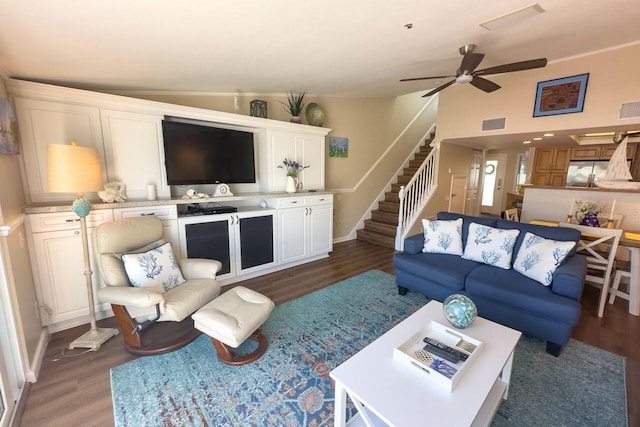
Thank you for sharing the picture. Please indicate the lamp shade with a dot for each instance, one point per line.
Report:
(73, 169)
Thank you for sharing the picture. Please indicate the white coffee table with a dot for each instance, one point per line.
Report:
(388, 392)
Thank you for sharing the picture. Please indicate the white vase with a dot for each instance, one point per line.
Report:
(292, 185)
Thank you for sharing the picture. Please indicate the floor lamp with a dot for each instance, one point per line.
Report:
(76, 169)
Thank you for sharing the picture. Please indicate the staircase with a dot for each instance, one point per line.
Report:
(382, 227)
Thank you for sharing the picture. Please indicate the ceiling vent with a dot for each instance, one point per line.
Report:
(494, 124)
(629, 110)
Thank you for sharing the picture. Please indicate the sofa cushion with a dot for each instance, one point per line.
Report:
(442, 236)
(510, 288)
(447, 270)
(556, 233)
(466, 221)
(538, 257)
(155, 268)
(489, 245)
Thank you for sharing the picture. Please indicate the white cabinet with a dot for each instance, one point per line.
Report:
(306, 149)
(167, 213)
(134, 152)
(45, 122)
(243, 242)
(305, 227)
(56, 246)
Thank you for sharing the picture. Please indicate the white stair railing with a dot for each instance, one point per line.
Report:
(415, 195)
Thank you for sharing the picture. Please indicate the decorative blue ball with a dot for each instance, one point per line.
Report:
(459, 310)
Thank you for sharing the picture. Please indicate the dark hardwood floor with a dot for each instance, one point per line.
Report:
(75, 391)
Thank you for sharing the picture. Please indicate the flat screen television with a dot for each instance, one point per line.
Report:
(198, 154)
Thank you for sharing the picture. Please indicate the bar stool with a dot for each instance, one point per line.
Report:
(615, 291)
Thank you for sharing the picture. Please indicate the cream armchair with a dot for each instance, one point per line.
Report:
(152, 320)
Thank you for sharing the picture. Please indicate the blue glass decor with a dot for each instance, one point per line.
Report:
(459, 310)
(81, 206)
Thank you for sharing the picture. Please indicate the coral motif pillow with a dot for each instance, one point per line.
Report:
(492, 246)
(155, 268)
(443, 237)
(538, 257)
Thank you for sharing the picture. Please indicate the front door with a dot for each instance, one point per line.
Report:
(493, 183)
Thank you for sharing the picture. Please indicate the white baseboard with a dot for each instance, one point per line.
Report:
(31, 375)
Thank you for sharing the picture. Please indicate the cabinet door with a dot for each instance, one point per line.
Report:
(540, 178)
(255, 241)
(311, 149)
(561, 157)
(293, 243)
(134, 151)
(320, 229)
(42, 123)
(60, 275)
(585, 153)
(543, 159)
(209, 237)
(557, 179)
(281, 146)
(607, 151)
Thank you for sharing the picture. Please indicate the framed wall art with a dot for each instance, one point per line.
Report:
(8, 128)
(561, 96)
(338, 147)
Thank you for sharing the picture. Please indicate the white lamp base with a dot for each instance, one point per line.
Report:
(94, 338)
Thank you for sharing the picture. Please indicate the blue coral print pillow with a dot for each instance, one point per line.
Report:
(538, 257)
(493, 246)
(156, 268)
(443, 237)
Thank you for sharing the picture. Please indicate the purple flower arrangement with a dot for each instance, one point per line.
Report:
(292, 167)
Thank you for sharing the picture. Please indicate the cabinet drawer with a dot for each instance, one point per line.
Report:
(292, 202)
(58, 221)
(320, 199)
(165, 213)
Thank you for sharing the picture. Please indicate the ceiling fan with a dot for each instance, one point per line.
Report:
(467, 72)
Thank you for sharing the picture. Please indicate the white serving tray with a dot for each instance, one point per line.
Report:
(405, 353)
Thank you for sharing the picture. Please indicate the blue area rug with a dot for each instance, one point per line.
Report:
(309, 336)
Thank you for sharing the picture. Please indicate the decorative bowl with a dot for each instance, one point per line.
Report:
(459, 310)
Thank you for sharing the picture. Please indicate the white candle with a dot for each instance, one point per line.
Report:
(151, 192)
(613, 206)
(571, 208)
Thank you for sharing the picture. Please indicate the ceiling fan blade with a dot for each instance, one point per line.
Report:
(470, 62)
(484, 84)
(425, 78)
(439, 88)
(516, 66)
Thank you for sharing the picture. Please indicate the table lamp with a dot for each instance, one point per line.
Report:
(76, 169)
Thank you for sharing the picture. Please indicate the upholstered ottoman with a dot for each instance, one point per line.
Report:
(233, 317)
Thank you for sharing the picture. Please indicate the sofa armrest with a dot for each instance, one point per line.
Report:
(568, 279)
(414, 244)
(199, 268)
(126, 295)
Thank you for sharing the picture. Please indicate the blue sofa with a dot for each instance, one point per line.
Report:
(504, 296)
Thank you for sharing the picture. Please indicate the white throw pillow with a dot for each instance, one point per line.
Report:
(443, 237)
(493, 246)
(538, 257)
(155, 268)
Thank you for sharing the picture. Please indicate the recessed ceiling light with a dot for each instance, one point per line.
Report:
(549, 134)
(526, 142)
(599, 134)
(537, 138)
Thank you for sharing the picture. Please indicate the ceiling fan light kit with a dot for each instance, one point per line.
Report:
(467, 72)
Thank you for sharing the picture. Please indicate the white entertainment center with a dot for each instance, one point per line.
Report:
(269, 231)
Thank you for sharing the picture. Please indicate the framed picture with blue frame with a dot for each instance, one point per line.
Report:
(561, 96)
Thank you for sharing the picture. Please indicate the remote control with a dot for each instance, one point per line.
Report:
(441, 353)
(459, 354)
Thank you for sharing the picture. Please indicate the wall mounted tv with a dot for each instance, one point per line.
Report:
(197, 154)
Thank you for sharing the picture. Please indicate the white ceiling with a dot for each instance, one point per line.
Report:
(331, 47)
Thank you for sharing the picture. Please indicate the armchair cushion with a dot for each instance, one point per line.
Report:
(155, 268)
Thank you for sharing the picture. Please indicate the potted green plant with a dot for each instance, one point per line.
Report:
(294, 106)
